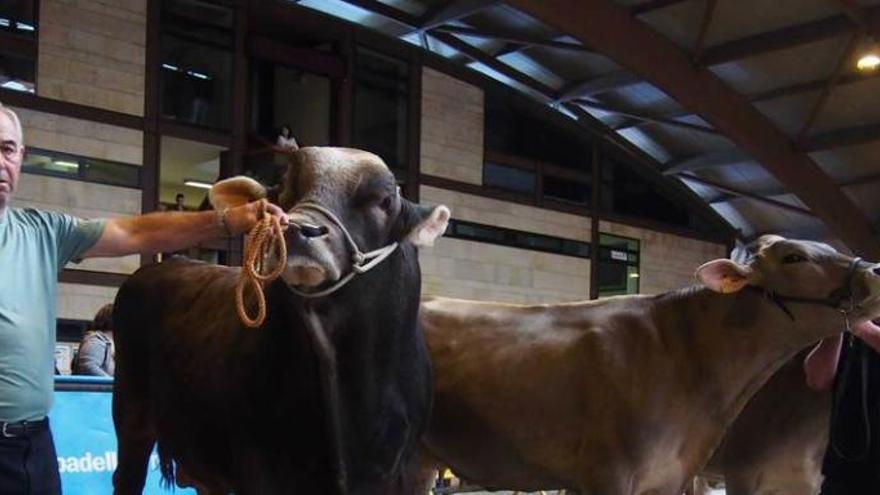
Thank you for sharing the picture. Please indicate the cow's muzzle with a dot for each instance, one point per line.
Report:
(361, 262)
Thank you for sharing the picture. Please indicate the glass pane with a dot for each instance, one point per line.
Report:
(381, 94)
(617, 242)
(43, 162)
(627, 192)
(567, 190)
(17, 73)
(17, 16)
(285, 96)
(196, 83)
(617, 279)
(186, 171)
(508, 178)
(517, 129)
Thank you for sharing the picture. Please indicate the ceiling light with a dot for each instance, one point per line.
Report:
(634, 275)
(868, 62)
(66, 164)
(197, 183)
(24, 27)
(170, 67)
(870, 57)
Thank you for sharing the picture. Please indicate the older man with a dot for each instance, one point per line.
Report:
(34, 246)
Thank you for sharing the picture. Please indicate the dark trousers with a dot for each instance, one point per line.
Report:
(29, 465)
(849, 487)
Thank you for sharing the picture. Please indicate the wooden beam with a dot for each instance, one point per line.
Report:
(842, 61)
(596, 85)
(654, 119)
(453, 11)
(478, 55)
(851, 136)
(780, 92)
(652, 5)
(780, 39)
(854, 12)
(704, 161)
(513, 37)
(744, 194)
(387, 11)
(708, 13)
(610, 29)
(779, 191)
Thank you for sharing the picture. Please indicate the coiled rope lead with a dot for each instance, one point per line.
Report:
(266, 235)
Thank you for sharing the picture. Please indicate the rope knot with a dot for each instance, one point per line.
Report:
(266, 236)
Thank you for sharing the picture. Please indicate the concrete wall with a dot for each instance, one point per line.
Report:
(81, 302)
(452, 128)
(92, 52)
(474, 270)
(81, 137)
(667, 261)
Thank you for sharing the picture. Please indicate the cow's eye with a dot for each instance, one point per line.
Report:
(793, 258)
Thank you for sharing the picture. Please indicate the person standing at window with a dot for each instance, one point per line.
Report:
(286, 141)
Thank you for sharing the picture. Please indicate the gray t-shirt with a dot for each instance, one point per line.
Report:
(34, 246)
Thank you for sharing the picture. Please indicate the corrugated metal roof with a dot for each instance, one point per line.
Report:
(794, 72)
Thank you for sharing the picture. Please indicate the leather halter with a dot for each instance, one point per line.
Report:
(835, 300)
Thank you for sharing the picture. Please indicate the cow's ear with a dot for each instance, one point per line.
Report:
(235, 191)
(431, 225)
(724, 276)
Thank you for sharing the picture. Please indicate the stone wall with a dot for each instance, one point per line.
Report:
(475, 270)
(667, 261)
(81, 137)
(452, 128)
(92, 52)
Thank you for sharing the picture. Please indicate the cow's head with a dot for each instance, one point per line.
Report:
(804, 278)
(339, 200)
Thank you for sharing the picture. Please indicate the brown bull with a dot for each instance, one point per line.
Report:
(627, 395)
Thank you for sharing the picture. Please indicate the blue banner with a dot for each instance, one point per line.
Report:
(82, 426)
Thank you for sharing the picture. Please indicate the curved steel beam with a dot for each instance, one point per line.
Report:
(610, 29)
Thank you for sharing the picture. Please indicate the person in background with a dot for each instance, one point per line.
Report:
(851, 364)
(35, 245)
(96, 355)
(285, 140)
(179, 202)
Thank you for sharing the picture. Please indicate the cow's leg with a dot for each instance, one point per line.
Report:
(135, 436)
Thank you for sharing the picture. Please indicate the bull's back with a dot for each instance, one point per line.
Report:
(168, 314)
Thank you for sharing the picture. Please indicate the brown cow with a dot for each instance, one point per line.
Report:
(628, 395)
(776, 444)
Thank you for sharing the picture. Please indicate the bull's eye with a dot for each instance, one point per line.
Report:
(793, 258)
(386, 203)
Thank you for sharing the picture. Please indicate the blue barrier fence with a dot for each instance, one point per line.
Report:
(82, 425)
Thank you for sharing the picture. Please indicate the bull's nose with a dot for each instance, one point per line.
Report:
(310, 230)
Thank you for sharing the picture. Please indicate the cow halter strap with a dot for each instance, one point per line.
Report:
(361, 262)
(841, 298)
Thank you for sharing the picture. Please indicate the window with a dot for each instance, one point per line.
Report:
(381, 103)
(618, 265)
(567, 190)
(18, 45)
(509, 178)
(518, 129)
(626, 192)
(196, 63)
(293, 97)
(56, 164)
(460, 229)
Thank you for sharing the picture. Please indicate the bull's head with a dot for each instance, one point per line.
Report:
(341, 202)
(807, 280)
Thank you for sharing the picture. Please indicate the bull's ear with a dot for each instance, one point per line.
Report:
(430, 227)
(724, 276)
(235, 191)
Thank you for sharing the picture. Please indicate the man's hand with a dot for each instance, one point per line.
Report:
(242, 219)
